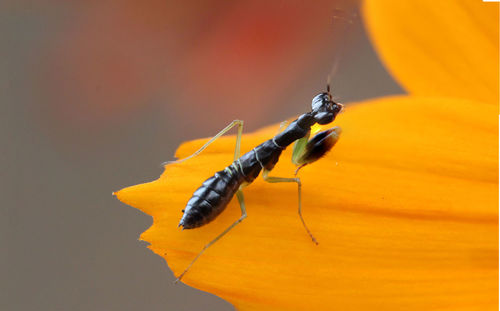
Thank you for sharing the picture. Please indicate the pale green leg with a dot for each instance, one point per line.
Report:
(241, 200)
(225, 130)
(299, 184)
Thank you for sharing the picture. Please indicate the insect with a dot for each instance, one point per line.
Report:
(212, 197)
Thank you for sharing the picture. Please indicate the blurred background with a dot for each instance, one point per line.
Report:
(96, 94)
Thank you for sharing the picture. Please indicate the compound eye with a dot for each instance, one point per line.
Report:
(317, 102)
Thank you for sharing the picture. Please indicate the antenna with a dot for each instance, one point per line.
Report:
(341, 15)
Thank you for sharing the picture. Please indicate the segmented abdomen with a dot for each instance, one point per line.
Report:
(211, 198)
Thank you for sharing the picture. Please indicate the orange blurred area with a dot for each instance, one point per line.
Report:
(454, 53)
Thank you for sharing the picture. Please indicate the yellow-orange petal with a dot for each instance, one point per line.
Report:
(441, 48)
(404, 209)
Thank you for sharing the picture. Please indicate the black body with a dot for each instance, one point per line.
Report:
(212, 197)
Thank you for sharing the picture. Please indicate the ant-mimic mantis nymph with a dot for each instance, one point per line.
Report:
(212, 197)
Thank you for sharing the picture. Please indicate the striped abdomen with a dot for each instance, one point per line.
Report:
(211, 198)
(215, 193)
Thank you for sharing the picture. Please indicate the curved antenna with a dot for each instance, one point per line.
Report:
(339, 14)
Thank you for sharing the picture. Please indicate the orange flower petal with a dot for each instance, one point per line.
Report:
(442, 48)
(404, 209)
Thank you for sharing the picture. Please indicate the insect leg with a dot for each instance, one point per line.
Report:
(225, 130)
(241, 200)
(271, 179)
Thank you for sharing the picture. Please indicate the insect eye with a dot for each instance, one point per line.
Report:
(318, 101)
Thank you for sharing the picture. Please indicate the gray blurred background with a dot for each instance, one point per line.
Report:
(96, 94)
